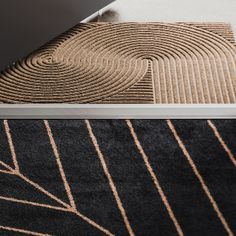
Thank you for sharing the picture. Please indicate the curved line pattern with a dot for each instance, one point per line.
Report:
(128, 63)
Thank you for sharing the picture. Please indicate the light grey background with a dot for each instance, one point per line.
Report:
(26, 25)
(173, 10)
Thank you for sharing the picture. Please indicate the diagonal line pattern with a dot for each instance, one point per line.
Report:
(22, 231)
(10, 199)
(41, 189)
(222, 142)
(200, 178)
(9, 138)
(154, 178)
(91, 222)
(7, 167)
(57, 156)
(53, 208)
(6, 172)
(38, 187)
(109, 177)
(72, 207)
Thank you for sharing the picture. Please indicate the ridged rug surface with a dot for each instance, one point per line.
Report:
(117, 177)
(128, 63)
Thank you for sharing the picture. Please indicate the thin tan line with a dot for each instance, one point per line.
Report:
(200, 178)
(73, 210)
(38, 187)
(12, 149)
(22, 231)
(17, 172)
(107, 232)
(7, 166)
(68, 207)
(58, 209)
(7, 172)
(109, 177)
(67, 187)
(222, 142)
(57, 156)
(154, 178)
(34, 204)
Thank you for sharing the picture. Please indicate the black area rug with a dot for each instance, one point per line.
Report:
(117, 177)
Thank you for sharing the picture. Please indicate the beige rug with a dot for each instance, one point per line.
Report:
(128, 63)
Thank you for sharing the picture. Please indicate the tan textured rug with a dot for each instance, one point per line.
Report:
(128, 63)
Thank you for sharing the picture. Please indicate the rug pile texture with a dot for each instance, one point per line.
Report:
(148, 63)
(117, 177)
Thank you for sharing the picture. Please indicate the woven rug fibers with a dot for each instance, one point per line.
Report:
(128, 63)
(117, 177)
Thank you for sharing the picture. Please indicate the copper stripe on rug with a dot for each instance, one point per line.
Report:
(117, 177)
(154, 63)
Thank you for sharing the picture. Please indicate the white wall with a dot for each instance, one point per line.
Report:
(176, 10)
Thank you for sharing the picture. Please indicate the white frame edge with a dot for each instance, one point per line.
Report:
(117, 111)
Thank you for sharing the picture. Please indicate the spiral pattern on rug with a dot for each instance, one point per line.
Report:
(128, 63)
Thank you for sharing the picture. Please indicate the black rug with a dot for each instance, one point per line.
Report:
(117, 177)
